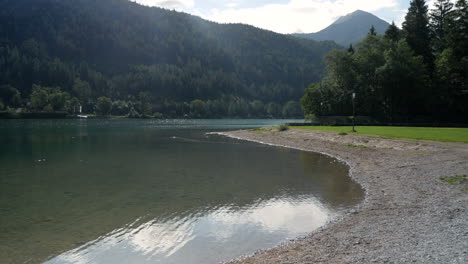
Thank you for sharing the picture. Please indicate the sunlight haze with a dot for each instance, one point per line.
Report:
(285, 16)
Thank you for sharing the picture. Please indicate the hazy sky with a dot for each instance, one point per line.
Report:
(284, 16)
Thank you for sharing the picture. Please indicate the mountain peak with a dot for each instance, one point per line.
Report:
(353, 15)
(350, 28)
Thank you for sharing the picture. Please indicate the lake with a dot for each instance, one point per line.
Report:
(157, 191)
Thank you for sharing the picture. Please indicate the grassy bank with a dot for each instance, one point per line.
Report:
(423, 133)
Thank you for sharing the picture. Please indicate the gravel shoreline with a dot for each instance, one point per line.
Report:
(409, 214)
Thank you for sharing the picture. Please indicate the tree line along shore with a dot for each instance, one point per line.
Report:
(417, 73)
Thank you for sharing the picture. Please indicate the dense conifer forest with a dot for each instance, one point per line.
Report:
(117, 57)
(417, 74)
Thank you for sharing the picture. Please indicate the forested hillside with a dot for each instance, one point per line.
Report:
(417, 74)
(144, 60)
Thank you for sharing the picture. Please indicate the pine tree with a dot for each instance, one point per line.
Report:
(372, 31)
(459, 29)
(351, 49)
(451, 64)
(416, 29)
(460, 48)
(393, 33)
(439, 22)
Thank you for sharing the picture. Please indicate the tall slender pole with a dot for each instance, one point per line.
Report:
(354, 112)
(321, 113)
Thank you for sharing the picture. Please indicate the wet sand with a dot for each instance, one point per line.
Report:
(409, 215)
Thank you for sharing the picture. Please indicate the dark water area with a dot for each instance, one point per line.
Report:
(156, 191)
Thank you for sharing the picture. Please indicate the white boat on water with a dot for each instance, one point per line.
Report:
(82, 116)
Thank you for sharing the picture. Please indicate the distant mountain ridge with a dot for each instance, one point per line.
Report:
(349, 29)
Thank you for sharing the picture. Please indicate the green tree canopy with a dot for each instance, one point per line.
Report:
(393, 33)
(197, 108)
(439, 23)
(416, 29)
(10, 96)
(273, 109)
(403, 80)
(49, 99)
(292, 109)
(104, 106)
(313, 100)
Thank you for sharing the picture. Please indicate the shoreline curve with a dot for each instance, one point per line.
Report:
(408, 213)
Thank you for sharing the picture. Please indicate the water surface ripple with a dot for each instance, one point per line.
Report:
(147, 191)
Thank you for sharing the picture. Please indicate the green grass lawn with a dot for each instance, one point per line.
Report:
(425, 133)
